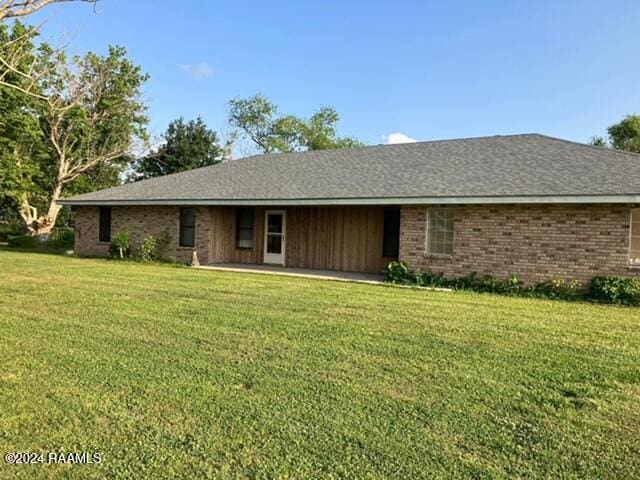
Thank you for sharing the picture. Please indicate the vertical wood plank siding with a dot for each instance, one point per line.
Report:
(331, 238)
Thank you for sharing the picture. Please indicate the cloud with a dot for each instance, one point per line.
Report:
(398, 137)
(198, 71)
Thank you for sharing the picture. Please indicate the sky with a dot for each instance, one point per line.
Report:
(394, 70)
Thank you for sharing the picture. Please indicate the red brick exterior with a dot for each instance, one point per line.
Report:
(535, 242)
(140, 222)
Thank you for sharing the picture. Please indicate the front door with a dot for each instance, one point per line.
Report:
(274, 243)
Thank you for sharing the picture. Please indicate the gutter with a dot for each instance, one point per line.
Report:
(456, 200)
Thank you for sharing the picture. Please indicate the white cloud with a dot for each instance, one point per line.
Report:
(199, 70)
(398, 137)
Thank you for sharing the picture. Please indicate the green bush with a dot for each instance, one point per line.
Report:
(398, 272)
(9, 230)
(558, 289)
(154, 247)
(61, 238)
(121, 245)
(618, 290)
(23, 241)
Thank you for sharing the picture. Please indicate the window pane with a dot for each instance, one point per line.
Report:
(245, 217)
(245, 238)
(274, 223)
(187, 227)
(274, 244)
(634, 251)
(391, 233)
(440, 229)
(187, 237)
(244, 227)
(104, 234)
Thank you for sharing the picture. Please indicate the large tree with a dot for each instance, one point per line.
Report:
(186, 145)
(258, 119)
(18, 47)
(79, 130)
(624, 135)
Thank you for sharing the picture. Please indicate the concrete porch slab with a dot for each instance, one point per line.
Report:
(372, 278)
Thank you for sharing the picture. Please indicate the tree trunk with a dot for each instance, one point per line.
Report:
(41, 225)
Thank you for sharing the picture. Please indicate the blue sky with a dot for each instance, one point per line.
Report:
(427, 69)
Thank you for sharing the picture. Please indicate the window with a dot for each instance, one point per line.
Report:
(634, 250)
(391, 233)
(187, 227)
(104, 234)
(440, 231)
(244, 227)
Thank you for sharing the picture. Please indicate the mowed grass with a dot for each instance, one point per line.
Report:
(178, 373)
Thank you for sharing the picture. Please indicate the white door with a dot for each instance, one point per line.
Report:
(274, 230)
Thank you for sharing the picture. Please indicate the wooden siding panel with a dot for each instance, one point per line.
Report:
(328, 238)
(335, 238)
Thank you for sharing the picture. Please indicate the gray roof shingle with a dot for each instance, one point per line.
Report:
(527, 165)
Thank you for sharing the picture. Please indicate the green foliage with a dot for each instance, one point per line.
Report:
(558, 289)
(76, 141)
(399, 273)
(23, 241)
(258, 119)
(153, 248)
(61, 238)
(188, 145)
(624, 135)
(10, 229)
(121, 244)
(613, 289)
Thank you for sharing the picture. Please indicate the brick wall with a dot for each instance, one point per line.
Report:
(140, 222)
(536, 242)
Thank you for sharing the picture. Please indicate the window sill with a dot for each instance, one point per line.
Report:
(186, 248)
(244, 248)
(438, 255)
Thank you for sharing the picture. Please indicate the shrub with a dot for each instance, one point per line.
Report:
(121, 245)
(10, 229)
(612, 289)
(557, 289)
(398, 272)
(605, 289)
(23, 241)
(154, 247)
(430, 279)
(61, 238)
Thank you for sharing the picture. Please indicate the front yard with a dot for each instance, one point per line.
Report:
(176, 373)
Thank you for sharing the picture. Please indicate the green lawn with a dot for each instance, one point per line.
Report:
(176, 373)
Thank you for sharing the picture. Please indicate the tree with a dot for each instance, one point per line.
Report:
(258, 119)
(624, 135)
(78, 131)
(15, 49)
(21, 8)
(187, 145)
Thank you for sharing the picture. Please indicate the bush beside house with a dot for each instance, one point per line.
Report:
(604, 289)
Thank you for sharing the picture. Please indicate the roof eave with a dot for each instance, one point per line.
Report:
(455, 200)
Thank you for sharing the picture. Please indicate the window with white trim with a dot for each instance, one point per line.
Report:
(634, 244)
(440, 231)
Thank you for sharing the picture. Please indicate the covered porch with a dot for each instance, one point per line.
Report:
(354, 239)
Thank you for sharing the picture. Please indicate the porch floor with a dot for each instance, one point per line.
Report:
(375, 278)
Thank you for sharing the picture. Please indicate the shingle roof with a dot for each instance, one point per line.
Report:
(528, 166)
